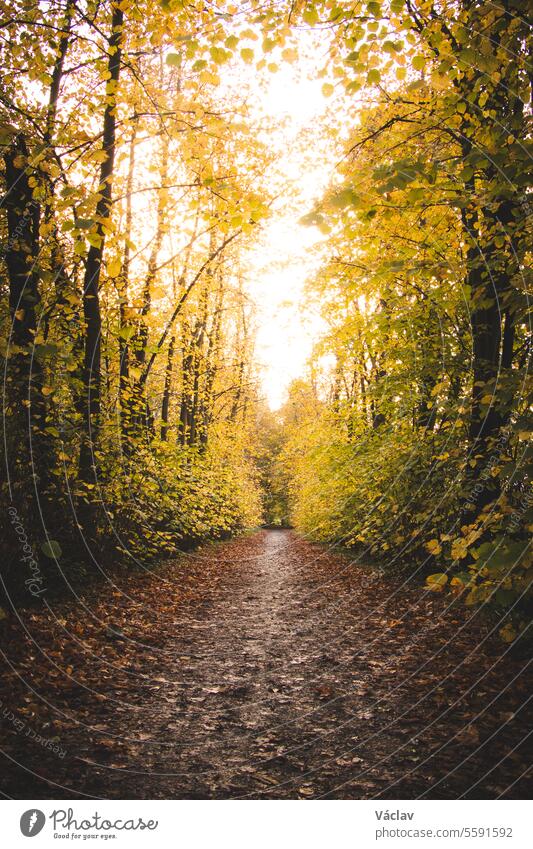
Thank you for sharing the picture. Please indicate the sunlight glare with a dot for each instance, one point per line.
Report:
(287, 253)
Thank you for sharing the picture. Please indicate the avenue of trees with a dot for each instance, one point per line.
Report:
(134, 177)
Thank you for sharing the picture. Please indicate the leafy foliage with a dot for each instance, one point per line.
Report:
(134, 175)
(129, 189)
(413, 442)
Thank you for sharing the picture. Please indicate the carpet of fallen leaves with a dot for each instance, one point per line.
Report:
(264, 667)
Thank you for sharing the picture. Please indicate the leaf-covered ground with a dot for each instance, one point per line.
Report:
(262, 667)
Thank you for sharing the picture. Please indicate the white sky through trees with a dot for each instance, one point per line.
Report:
(287, 253)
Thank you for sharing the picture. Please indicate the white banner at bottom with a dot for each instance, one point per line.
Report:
(268, 824)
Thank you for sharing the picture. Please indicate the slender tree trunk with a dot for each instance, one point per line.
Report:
(485, 327)
(56, 253)
(140, 414)
(57, 72)
(93, 265)
(195, 394)
(241, 348)
(213, 347)
(185, 404)
(429, 374)
(165, 407)
(26, 405)
(124, 355)
(490, 270)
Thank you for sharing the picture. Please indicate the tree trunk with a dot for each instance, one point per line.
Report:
(140, 414)
(93, 265)
(124, 369)
(25, 400)
(165, 407)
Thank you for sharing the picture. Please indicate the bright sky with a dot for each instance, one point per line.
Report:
(288, 253)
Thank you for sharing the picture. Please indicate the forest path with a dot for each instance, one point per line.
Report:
(261, 667)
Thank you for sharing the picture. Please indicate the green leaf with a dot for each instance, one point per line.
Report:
(51, 549)
(310, 15)
(416, 194)
(344, 198)
(312, 219)
(126, 333)
(391, 47)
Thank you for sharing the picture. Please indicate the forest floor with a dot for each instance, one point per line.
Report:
(264, 667)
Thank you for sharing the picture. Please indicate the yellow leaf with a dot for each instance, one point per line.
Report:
(437, 582)
(113, 268)
(247, 54)
(459, 549)
(508, 633)
(289, 54)
(434, 546)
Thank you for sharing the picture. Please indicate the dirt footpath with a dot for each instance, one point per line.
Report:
(264, 667)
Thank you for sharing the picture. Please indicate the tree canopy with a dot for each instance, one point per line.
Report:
(137, 173)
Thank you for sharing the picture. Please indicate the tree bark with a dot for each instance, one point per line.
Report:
(26, 405)
(124, 354)
(93, 264)
(165, 407)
